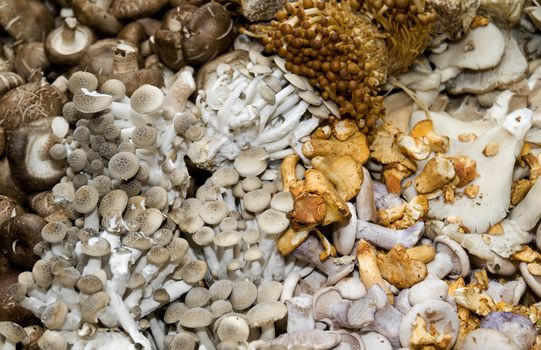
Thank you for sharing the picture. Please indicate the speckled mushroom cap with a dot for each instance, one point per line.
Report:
(13, 332)
(174, 312)
(227, 239)
(282, 201)
(54, 232)
(251, 162)
(147, 99)
(213, 212)
(266, 312)
(233, 328)
(194, 271)
(82, 80)
(225, 177)
(269, 291)
(115, 88)
(256, 200)
(91, 101)
(123, 165)
(243, 294)
(272, 221)
(221, 289)
(54, 315)
(85, 200)
(196, 318)
(144, 136)
(96, 247)
(197, 297)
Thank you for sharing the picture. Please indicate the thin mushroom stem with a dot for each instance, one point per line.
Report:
(267, 332)
(204, 339)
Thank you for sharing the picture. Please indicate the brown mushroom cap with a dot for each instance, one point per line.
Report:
(132, 9)
(31, 58)
(25, 230)
(26, 20)
(13, 332)
(9, 207)
(90, 14)
(27, 103)
(28, 156)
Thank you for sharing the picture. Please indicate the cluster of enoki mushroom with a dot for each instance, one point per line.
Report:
(348, 48)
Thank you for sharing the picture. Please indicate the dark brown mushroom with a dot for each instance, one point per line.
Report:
(28, 155)
(18, 236)
(117, 59)
(134, 33)
(100, 19)
(26, 20)
(8, 186)
(193, 35)
(29, 102)
(131, 9)
(31, 60)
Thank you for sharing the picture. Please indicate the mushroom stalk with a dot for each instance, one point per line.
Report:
(289, 286)
(441, 266)
(300, 316)
(387, 238)
(125, 319)
(267, 332)
(158, 333)
(68, 30)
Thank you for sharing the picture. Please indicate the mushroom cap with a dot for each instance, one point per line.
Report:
(99, 19)
(253, 254)
(90, 284)
(438, 314)
(147, 99)
(251, 162)
(227, 239)
(203, 236)
(123, 165)
(534, 282)
(233, 328)
(197, 297)
(225, 177)
(85, 200)
(282, 201)
(13, 332)
(80, 80)
(91, 101)
(54, 232)
(213, 212)
(156, 197)
(194, 271)
(174, 312)
(220, 307)
(272, 221)
(251, 236)
(158, 255)
(485, 338)
(54, 315)
(256, 200)
(461, 261)
(243, 294)
(144, 136)
(269, 291)
(115, 88)
(266, 312)
(196, 318)
(221, 289)
(183, 340)
(28, 156)
(132, 9)
(52, 340)
(96, 247)
(39, 100)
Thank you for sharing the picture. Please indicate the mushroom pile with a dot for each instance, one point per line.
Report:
(354, 174)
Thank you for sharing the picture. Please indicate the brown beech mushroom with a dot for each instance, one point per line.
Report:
(131, 9)
(66, 44)
(29, 159)
(26, 20)
(96, 15)
(31, 60)
(27, 103)
(192, 35)
(18, 236)
(120, 60)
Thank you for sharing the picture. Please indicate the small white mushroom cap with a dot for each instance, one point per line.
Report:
(54, 315)
(233, 328)
(351, 288)
(243, 294)
(269, 291)
(115, 88)
(227, 239)
(91, 101)
(194, 271)
(429, 289)
(256, 200)
(197, 297)
(251, 162)
(174, 312)
(147, 99)
(266, 313)
(485, 338)
(282, 201)
(213, 212)
(272, 221)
